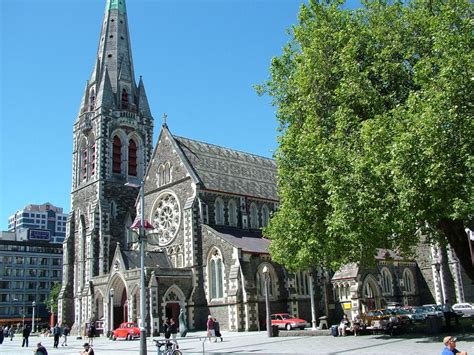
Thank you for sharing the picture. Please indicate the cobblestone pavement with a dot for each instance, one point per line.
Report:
(255, 342)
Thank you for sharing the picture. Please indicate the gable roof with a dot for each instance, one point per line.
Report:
(226, 170)
(131, 259)
(248, 240)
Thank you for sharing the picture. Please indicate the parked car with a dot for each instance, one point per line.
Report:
(374, 315)
(286, 321)
(126, 330)
(433, 310)
(464, 309)
(404, 315)
(418, 314)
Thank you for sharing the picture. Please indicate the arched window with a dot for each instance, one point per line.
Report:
(265, 216)
(84, 162)
(219, 211)
(232, 213)
(132, 158)
(408, 281)
(260, 280)
(113, 209)
(124, 99)
(386, 281)
(164, 174)
(216, 285)
(92, 159)
(167, 173)
(117, 155)
(92, 100)
(129, 238)
(370, 294)
(253, 216)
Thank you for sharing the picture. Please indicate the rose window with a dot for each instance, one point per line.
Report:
(166, 217)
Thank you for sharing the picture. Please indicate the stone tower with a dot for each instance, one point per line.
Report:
(112, 145)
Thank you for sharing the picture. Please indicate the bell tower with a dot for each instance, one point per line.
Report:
(112, 145)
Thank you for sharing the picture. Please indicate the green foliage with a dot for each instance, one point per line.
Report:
(376, 129)
(52, 298)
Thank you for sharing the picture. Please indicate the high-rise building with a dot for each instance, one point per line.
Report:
(28, 271)
(39, 222)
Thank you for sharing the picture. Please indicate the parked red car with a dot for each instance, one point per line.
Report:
(286, 321)
(127, 330)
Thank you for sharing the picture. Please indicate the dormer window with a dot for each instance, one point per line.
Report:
(124, 99)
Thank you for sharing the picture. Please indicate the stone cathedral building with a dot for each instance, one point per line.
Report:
(207, 204)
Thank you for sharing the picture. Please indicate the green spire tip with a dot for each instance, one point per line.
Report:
(116, 5)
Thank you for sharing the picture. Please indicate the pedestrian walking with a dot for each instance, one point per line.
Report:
(217, 330)
(211, 333)
(11, 333)
(66, 332)
(174, 331)
(166, 330)
(57, 334)
(91, 333)
(26, 335)
(2, 335)
(40, 349)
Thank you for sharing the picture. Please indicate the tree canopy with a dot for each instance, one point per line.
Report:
(376, 131)
(51, 301)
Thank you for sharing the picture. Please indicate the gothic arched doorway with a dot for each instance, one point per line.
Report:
(118, 302)
(174, 300)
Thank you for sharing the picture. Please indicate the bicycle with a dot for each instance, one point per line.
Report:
(170, 348)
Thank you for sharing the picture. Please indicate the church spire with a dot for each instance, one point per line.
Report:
(114, 53)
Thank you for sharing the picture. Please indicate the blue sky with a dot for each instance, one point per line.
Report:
(199, 61)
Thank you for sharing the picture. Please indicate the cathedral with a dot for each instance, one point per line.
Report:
(206, 205)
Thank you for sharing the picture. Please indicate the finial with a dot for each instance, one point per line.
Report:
(165, 116)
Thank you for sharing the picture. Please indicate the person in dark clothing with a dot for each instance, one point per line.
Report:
(91, 333)
(66, 332)
(87, 350)
(41, 350)
(57, 334)
(217, 330)
(2, 335)
(26, 335)
(166, 326)
(174, 331)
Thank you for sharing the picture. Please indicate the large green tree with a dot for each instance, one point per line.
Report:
(376, 131)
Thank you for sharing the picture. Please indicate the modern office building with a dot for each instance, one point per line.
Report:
(28, 271)
(39, 222)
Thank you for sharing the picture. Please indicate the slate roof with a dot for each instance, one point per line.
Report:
(131, 258)
(226, 170)
(248, 240)
(348, 271)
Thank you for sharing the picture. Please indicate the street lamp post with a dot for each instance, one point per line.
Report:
(111, 326)
(439, 269)
(33, 320)
(51, 320)
(141, 225)
(311, 293)
(266, 276)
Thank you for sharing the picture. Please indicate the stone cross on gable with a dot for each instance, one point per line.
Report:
(165, 116)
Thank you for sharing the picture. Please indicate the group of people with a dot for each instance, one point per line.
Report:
(6, 332)
(170, 330)
(353, 326)
(213, 329)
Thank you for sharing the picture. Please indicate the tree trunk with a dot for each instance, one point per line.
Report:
(455, 233)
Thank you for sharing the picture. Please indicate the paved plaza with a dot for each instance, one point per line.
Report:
(255, 342)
